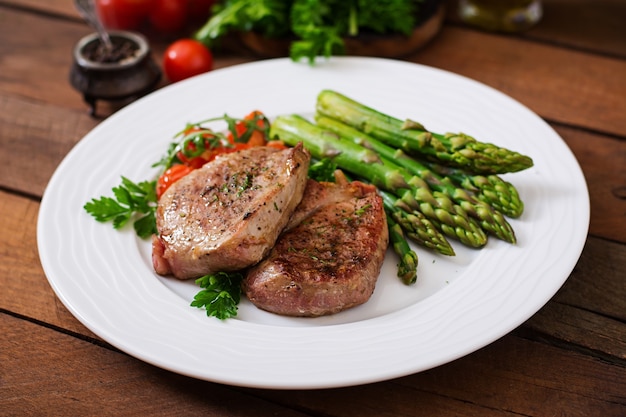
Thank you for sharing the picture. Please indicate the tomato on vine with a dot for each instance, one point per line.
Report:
(168, 16)
(123, 14)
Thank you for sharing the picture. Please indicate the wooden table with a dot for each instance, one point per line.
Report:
(569, 359)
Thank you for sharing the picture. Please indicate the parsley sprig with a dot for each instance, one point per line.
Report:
(314, 27)
(221, 294)
(131, 199)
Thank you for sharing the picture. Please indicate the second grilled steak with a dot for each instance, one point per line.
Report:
(329, 257)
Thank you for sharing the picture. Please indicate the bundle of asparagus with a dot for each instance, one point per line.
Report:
(433, 185)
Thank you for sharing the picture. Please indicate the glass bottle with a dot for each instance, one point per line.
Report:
(501, 15)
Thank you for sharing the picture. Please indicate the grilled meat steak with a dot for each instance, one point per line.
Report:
(228, 214)
(330, 255)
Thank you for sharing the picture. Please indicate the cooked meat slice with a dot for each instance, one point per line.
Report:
(228, 214)
(329, 257)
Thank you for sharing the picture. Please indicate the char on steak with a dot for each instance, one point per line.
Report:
(227, 215)
(328, 258)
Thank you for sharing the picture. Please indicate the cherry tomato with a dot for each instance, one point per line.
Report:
(186, 58)
(168, 16)
(170, 176)
(123, 14)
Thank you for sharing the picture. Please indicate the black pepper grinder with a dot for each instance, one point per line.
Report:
(111, 66)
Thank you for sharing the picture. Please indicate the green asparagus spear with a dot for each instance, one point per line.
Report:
(407, 267)
(493, 190)
(384, 174)
(489, 219)
(416, 226)
(459, 150)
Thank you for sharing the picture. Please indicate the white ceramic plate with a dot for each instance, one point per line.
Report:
(459, 304)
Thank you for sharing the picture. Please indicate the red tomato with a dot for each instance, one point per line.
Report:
(170, 176)
(186, 58)
(168, 16)
(257, 138)
(278, 144)
(215, 152)
(123, 14)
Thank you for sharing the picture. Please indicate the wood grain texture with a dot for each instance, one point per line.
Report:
(593, 25)
(58, 7)
(37, 67)
(596, 25)
(565, 86)
(603, 162)
(81, 378)
(37, 136)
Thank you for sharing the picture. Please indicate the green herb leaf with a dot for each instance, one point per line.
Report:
(318, 26)
(221, 294)
(323, 170)
(131, 199)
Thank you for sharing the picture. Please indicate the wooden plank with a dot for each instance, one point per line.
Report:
(59, 7)
(82, 379)
(597, 282)
(24, 58)
(594, 25)
(25, 289)
(497, 380)
(45, 372)
(603, 161)
(564, 86)
(606, 337)
(36, 134)
(589, 301)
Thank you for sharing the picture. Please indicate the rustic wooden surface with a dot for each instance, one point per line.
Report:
(569, 359)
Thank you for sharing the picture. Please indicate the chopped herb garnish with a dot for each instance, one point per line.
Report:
(362, 210)
(323, 170)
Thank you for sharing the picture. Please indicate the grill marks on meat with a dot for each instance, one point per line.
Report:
(329, 257)
(227, 215)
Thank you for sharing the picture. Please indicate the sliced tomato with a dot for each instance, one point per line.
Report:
(278, 144)
(196, 162)
(215, 152)
(258, 136)
(170, 176)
